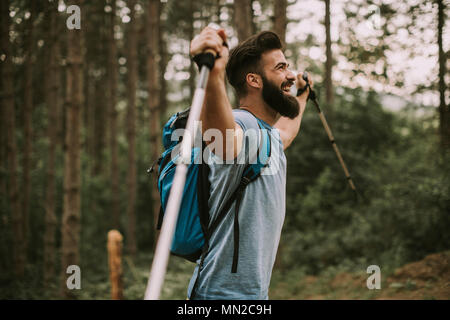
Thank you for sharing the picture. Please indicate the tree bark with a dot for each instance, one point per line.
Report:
(3, 133)
(444, 108)
(329, 62)
(192, 70)
(243, 19)
(163, 61)
(101, 86)
(28, 127)
(51, 97)
(88, 87)
(9, 105)
(280, 20)
(72, 165)
(112, 76)
(88, 105)
(131, 129)
(3, 126)
(154, 88)
(100, 120)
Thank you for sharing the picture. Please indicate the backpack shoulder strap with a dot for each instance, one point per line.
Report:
(263, 154)
(251, 173)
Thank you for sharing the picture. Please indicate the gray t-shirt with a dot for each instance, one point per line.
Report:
(261, 218)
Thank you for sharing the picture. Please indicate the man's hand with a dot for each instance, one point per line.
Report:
(212, 39)
(300, 83)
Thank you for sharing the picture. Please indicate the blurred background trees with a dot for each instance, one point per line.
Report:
(82, 111)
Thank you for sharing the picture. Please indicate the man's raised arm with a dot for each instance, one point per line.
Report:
(289, 128)
(217, 110)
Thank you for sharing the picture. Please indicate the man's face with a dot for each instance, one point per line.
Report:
(277, 80)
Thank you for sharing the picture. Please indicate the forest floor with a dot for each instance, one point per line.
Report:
(426, 279)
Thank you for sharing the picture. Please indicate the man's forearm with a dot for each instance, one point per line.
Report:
(217, 111)
(289, 128)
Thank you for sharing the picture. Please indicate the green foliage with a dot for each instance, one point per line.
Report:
(402, 212)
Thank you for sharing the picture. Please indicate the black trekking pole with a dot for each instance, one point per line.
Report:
(313, 98)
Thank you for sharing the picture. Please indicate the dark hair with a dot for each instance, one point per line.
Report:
(246, 58)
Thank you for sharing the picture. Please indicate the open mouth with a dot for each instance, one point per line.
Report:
(286, 88)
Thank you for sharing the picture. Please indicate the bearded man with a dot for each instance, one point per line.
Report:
(260, 75)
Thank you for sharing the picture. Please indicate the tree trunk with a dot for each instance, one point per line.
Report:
(3, 127)
(329, 62)
(51, 97)
(131, 129)
(89, 38)
(243, 19)
(163, 61)
(88, 104)
(28, 128)
(112, 76)
(444, 109)
(192, 70)
(99, 136)
(153, 55)
(72, 177)
(218, 8)
(101, 85)
(280, 20)
(8, 104)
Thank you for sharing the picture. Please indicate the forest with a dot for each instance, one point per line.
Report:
(87, 86)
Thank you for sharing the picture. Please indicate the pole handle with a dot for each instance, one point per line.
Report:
(305, 77)
(312, 93)
(206, 58)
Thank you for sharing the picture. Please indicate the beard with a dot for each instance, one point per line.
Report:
(286, 105)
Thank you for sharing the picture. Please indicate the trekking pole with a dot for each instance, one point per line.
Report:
(312, 96)
(158, 271)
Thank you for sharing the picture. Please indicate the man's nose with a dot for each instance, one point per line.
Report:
(290, 76)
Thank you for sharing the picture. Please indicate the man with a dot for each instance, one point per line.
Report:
(258, 71)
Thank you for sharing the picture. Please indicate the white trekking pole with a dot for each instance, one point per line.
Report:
(161, 258)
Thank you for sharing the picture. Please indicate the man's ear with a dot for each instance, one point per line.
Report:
(254, 80)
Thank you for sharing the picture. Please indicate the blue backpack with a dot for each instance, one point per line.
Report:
(194, 227)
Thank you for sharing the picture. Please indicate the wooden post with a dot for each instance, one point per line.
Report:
(115, 264)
